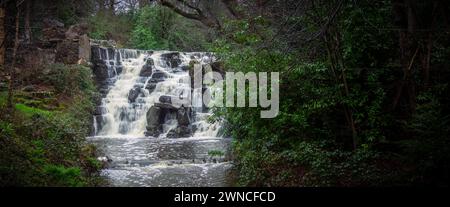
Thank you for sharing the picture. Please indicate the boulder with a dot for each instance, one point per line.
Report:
(166, 106)
(165, 99)
(133, 94)
(150, 87)
(147, 69)
(154, 117)
(158, 76)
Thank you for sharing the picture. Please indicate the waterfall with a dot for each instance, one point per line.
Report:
(138, 81)
(144, 126)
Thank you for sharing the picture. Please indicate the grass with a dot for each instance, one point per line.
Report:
(30, 111)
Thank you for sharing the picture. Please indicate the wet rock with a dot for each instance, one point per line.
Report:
(99, 120)
(119, 69)
(183, 116)
(179, 132)
(166, 106)
(150, 87)
(158, 76)
(133, 94)
(99, 110)
(154, 117)
(147, 69)
(173, 59)
(185, 67)
(165, 99)
(100, 70)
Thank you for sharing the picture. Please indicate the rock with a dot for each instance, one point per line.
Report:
(84, 50)
(179, 132)
(218, 67)
(100, 71)
(165, 99)
(76, 31)
(99, 119)
(104, 43)
(154, 117)
(99, 110)
(133, 94)
(183, 116)
(53, 30)
(173, 59)
(169, 107)
(150, 87)
(119, 69)
(185, 67)
(147, 69)
(158, 76)
(67, 52)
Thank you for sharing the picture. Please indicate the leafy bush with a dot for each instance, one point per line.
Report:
(46, 147)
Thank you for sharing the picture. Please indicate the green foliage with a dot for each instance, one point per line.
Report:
(104, 25)
(151, 28)
(62, 176)
(215, 153)
(46, 147)
(310, 142)
(68, 79)
(157, 28)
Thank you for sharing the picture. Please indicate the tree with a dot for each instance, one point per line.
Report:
(2, 37)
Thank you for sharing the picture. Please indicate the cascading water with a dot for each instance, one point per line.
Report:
(146, 138)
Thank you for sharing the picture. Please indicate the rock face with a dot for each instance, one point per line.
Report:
(53, 30)
(67, 52)
(84, 51)
(147, 69)
(106, 66)
(76, 31)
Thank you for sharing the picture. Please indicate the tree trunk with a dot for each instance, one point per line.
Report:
(112, 4)
(13, 63)
(27, 21)
(2, 38)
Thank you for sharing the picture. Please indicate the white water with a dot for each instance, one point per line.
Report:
(123, 118)
(135, 160)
